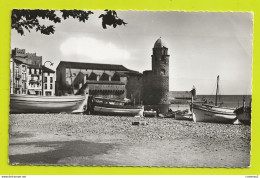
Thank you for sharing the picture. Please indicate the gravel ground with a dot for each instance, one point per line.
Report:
(69, 139)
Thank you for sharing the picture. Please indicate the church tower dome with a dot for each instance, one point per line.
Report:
(159, 43)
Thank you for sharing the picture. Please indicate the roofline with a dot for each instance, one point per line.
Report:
(125, 69)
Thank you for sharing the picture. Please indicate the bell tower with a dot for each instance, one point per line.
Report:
(160, 73)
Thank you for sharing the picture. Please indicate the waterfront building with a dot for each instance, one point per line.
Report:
(26, 74)
(18, 77)
(48, 82)
(104, 80)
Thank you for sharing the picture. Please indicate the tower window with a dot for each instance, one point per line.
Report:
(163, 60)
(162, 71)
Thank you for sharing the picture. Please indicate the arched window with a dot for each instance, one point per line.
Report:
(116, 77)
(92, 76)
(162, 71)
(104, 77)
(163, 59)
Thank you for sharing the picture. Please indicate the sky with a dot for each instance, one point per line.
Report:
(201, 46)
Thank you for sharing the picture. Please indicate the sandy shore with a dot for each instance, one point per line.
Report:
(67, 139)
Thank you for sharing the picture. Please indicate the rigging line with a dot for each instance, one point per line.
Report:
(220, 91)
(214, 89)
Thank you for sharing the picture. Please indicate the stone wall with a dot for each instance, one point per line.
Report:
(160, 90)
(147, 87)
(134, 88)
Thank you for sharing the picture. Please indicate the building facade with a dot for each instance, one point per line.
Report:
(34, 80)
(18, 77)
(48, 82)
(99, 80)
(26, 75)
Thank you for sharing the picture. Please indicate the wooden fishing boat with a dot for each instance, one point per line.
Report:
(170, 115)
(47, 104)
(105, 106)
(244, 114)
(179, 115)
(213, 113)
(150, 113)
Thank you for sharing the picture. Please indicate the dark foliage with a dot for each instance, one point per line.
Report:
(111, 18)
(29, 19)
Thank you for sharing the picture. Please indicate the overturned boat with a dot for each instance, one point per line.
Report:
(47, 104)
(107, 106)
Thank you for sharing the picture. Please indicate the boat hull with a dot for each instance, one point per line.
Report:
(208, 113)
(150, 113)
(118, 111)
(244, 117)
(47, 104)
(244, 114)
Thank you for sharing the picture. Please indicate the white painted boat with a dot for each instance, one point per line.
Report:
(47, 104)
(105, 106)
(213, 113)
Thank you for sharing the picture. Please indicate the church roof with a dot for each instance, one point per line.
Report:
(105, 82)
(96, 66)
(159, 43)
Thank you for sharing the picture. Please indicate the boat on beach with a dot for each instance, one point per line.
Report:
(179, 115)
(47, 104)
(107, 106)
(150, 113)
(244, 114)
(213, 113)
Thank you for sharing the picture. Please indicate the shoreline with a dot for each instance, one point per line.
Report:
(70, 139)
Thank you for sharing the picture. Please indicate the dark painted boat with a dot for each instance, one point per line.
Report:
(244, 114)
(107, 106)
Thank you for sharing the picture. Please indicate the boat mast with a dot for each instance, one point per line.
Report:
(216, 102)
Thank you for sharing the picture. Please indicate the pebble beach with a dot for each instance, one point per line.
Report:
(92, 140)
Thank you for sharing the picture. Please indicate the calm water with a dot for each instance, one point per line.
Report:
(232, 101)
(228, 100)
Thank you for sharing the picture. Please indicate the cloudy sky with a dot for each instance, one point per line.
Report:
(201, 45)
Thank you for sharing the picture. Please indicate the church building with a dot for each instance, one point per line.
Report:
(99, 80)
(116, 81)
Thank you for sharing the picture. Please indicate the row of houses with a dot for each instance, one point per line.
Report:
(29, 76)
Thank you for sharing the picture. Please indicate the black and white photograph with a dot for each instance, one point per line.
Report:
(130, 88)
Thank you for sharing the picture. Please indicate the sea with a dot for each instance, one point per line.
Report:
(232, 101)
